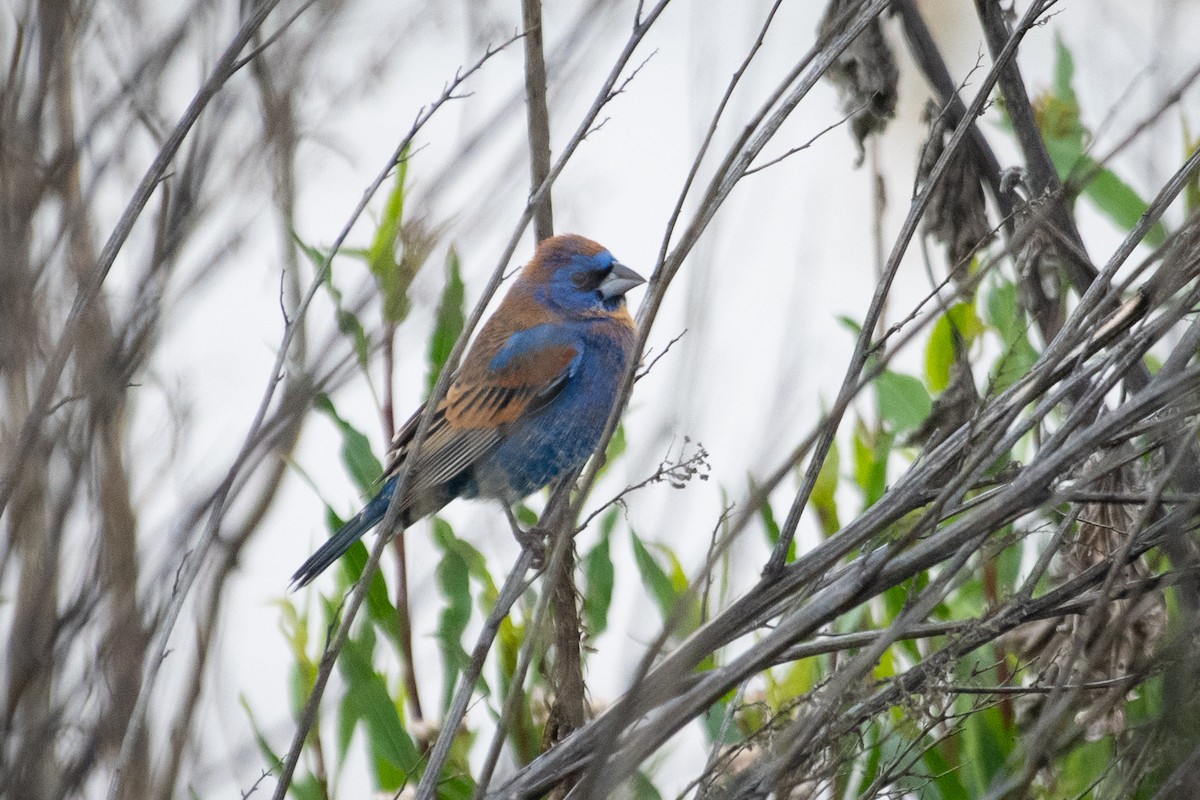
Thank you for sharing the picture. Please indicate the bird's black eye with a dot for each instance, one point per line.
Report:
(590, 280)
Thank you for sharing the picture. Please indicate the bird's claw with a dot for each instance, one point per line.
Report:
(533, 540)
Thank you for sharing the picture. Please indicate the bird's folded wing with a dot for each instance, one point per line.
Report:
(477, 410)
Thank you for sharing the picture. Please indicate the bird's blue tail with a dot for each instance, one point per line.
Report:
(348, 534)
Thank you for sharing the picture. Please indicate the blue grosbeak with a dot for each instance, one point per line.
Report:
(530, 400)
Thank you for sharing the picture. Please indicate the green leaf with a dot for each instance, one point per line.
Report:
(523, 733)
(870, 765)
(394, 755)
(1064, 71)
(525, 515)
(1008, 564)
(616, 447)
(903, 400)
(799, 678)
(1089, 762)
(641, 787)
(1191, 190)
(380, 609)
(770, 525)
(850, 324)
(476, 563)
(381, 251)
(1058, 112)
(1005, 313)
(357, 456)
(960, 319)
(347, 723)
(456, 787)
(1066, 142)
(1013, 365)
(717, 725)
(894, 601)
(453, 577)
(986, 753)
(264, 747)
(347, 322)
(871, 453)
(307, 788)
(451, 316)
(1116, 199)
(824, 493)
(654, 576)
(1008, 319)
(679, 581)
(599, 577)
(947, 775)
(350, 325)
(392, 279)
(294, 627)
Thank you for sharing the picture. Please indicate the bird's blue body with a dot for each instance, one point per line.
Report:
(530, 401)
(558, 438)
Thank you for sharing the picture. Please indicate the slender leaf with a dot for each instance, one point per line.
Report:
(642, 788)
(347, 723)
(959, 321)
(1113, 197)
(394, 755)
(871, 452)
(348, 323)
(453, 577)
(770, 524)
(264, 747)
(947, 776)
(1064, 71)
(451, 317)
(616, 447)
(360, 461)
(599, 576)
(1191, 190)
(824, 493)
(1008, 319)
(392, 279)
(654, 576)
(850, 324)
(989, 743)
(380, 609)
(1067, 141)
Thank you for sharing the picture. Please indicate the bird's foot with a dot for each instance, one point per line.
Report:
(533, 540)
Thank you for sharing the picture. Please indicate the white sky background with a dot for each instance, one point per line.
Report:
(759, 296)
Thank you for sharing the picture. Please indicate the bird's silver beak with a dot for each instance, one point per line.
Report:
(619, 281)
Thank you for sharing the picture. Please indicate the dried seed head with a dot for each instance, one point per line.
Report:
(1116, 638)
(957, 215)
(1037, 262)
(865, 75)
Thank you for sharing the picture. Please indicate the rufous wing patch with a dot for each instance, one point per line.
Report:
(506, 395)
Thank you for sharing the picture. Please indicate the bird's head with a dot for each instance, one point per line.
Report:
(578, 277)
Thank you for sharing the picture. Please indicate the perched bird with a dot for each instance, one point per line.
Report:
(528, 403)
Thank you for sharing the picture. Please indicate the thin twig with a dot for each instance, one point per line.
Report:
(537, 115)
